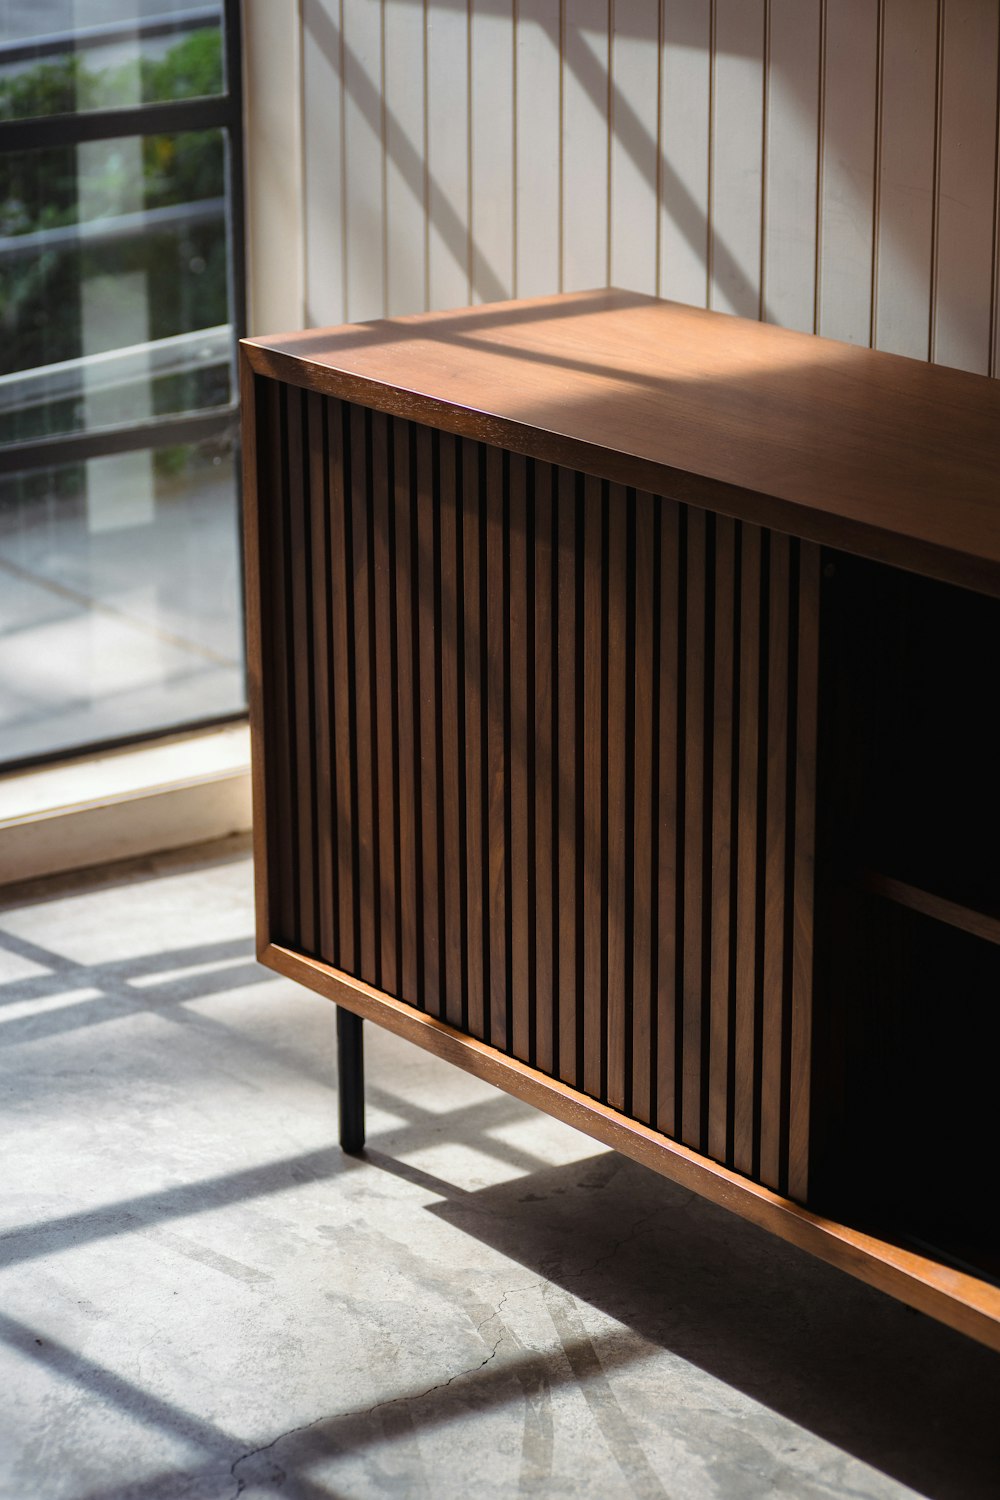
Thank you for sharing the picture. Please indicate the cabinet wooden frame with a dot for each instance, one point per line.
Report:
(534, 602)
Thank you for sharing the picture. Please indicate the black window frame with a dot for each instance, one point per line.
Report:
(217, 111)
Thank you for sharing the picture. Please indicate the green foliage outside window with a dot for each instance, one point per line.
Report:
(185, 266)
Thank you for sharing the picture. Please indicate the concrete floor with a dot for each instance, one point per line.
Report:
(200, 1297)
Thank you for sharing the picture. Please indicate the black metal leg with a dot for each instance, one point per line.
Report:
(351, 1081)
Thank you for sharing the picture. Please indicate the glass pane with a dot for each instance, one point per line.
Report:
(114, 299)
(67, 56)
(119, 598)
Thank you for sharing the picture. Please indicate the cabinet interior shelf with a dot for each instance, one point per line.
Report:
(980, 918)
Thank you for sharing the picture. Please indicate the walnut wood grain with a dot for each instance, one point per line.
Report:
(881, 455)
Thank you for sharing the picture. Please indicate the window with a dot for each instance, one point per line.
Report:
(121, 299)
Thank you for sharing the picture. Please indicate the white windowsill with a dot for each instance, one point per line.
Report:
(124, 804)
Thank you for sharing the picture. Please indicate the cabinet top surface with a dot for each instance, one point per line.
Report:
(873, 452)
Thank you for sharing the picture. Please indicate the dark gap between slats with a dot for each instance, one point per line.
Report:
(707, 842)
(309, 501)
(418, 812)
(373, 670)
(507, 810)
(531, 476)
(761, 866)
(734, 845)
(484, 759)
(605, 777)
(463, 811)
(680, 881)
(555, 769)
(794, 592)
(327, 626)
(654, 843)
(442, 997)
(397, 851)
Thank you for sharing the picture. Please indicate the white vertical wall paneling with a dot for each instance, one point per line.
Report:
(684, 152)
(323, 173)
(364, 218)
(791, 157)
(634, 156)
(274, 161)
(538, 146)
(492, 137)
(737, 157)
(585, 144)
(522, 173)
(447, 154)
(964, 271)
(905, 229)
(846, 213)
(406, 247)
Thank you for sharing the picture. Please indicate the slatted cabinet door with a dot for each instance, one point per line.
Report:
(537, 651)
(539, 755)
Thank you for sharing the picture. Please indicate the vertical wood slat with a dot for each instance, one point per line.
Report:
(668, 741)
(384, 708)
(425, 668)
(450, 747)
(694, 852)
(617, 854)
(800, 1043)
(643, 832)
(408, 750)
(594, 789)
(319, 575)
(746, 859)
(723, 765)
(521, 733)
(278, 720)
(546, 773)
(476, 804)
(496, 766)
(362, 746)
(775, 915)
(297, 501)
(340, 647)
(548, 751)
(567, 770)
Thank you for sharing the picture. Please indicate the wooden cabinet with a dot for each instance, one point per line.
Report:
(622, 734)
